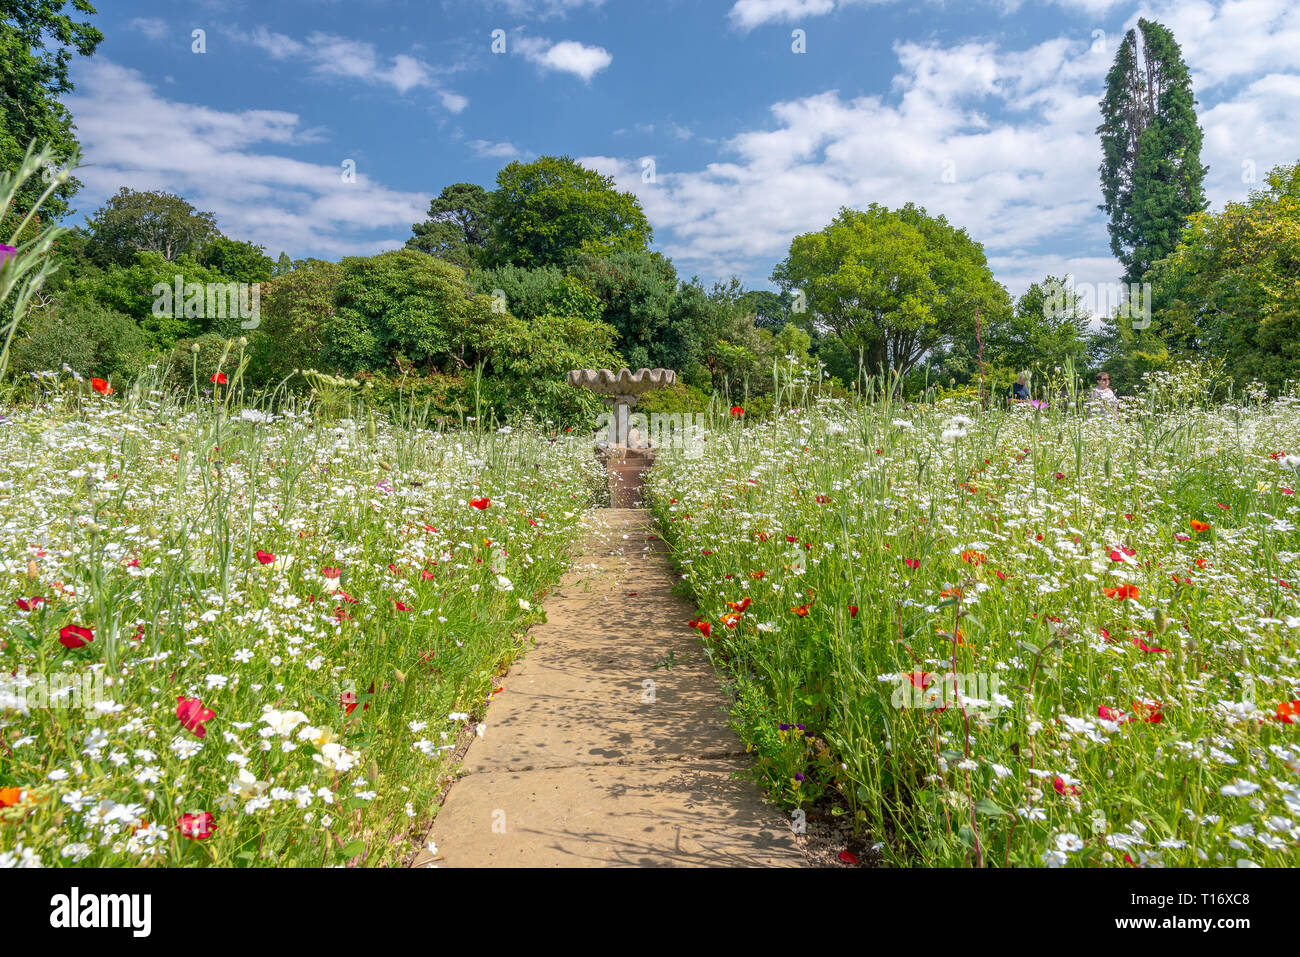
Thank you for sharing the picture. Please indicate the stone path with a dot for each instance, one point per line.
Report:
(583, 764)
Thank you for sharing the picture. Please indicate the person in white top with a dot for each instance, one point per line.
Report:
(1102, 395)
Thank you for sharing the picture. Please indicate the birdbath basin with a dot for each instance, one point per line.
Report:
(626, 452)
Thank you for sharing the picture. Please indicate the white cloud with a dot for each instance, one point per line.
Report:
(1001, 141)
(567, 56)
(331, 55)
(748, 14)
(152, 27)
(133, 137)
(487, 148)
(543, 9)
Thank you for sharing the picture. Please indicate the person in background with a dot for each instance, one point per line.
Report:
(1102, 396)
(1019, 391)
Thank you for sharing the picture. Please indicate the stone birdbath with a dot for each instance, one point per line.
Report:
(627, 453)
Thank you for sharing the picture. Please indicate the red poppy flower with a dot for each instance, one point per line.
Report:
(348, 700)
(912, 563)
(1139, 643)
(100, 386)
(737, 411)
(702, 626)
(265, 558)
(193, 715)
(1062, 788)
(329, 572)
(1287, 711)
(400, 606)
(1149, 711)
(853, 611)
(426, 575)
(197, 826)
(29, 604)
(847, 857)
(480, 503)
(75, 636)
(801, 610)
(219, 378)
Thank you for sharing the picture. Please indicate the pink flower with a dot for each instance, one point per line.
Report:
(265, 558)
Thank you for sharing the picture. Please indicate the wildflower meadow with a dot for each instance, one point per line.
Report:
(1016, 637)
(275, 631)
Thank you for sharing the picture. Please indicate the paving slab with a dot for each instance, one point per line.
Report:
(608, 744)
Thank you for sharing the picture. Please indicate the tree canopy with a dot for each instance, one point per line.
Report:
(895, 284)
(545, 212)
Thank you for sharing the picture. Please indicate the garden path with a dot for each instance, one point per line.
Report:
(608, 744)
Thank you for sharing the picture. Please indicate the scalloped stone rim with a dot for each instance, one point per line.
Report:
(623, 382)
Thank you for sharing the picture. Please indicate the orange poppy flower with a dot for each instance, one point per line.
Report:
(100, 386)
(731, 619)
(1198, 526)
(10, 796)
(741, 605)
(972, 557)
(1122, 593)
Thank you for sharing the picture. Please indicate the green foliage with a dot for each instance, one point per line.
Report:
(23, 275)
(676, 398)
(132, 222)
(896, 283)
(297, 305)
(457, 227)
(1047, 329)
(193, 362)
(543, 213)
(1151, 172)
(135, 290)
(92, 339)
(638, 292)
(531, 358)
(1231, 288)
(37, 42)
(238, 260)
(545, 290)
(404, 306)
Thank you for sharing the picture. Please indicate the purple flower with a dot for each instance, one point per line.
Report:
(798, 776)
(783, 727)
(6, 253)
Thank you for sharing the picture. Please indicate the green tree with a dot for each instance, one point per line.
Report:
(1231, 288)
(1151, 172)
(37, 41)
(134, 291)
(1047, 328)
(241, 261)
(895, 284)
(543, 213)
(531, 293)
(457, 226)
(296, 309)
(638, 293)
(154, 221)
(405, 307)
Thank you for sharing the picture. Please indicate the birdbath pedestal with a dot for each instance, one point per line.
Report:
(627, 453)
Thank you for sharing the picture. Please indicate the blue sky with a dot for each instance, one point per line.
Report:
(982, 110)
